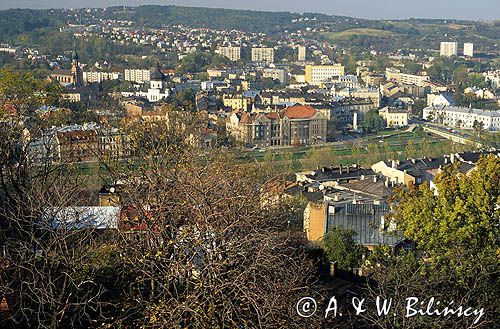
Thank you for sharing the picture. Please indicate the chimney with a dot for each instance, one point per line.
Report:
(340, 169)
(393, 163)
(386, 183)
(452, 158)
(445, 160)
(348, 169)
(374, 179)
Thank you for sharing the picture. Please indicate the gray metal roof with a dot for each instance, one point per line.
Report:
(365, 220)
(82, 217)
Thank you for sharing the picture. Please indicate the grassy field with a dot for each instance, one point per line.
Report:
(348, 34)
(390, 144)
(303, 158)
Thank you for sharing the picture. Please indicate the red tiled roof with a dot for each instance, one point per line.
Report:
(247, 118)
(299, 112)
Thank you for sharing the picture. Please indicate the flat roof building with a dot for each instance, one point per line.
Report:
(449, 49)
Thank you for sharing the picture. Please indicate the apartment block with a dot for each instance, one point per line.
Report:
(265, 55)
(469, 49)
(233, 53)
(461, 117)
(302, 53)
(317, 74)
(406, 79)
(137, 75)
(92, 77)
(449, 49)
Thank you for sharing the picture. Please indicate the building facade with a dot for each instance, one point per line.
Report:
(407, 79)
(468, 49)
(461, 117)
(137, 75)
(449, 49)
(393, 117)
(93, 77)
(233, 53)
(302, 53)
(263, 55)
(296, 125)
(317, 74)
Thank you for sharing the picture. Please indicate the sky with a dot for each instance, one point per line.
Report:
(375, 9)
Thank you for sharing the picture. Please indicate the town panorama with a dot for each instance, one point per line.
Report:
(186, 167)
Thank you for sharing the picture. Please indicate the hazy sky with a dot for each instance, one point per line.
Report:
(463, 9)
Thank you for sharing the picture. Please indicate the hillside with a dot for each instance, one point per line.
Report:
(27, 26)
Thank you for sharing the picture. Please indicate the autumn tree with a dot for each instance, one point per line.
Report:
(45, 275)
(373, 121)
(456, 228)
(410, 149)
(319, 157)
(356, 153)
(208, 254)
(341, 247)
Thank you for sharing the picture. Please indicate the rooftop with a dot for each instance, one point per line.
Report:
(456, 109)
(366, 221)
(299, 112)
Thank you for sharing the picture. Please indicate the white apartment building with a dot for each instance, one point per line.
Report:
(302, 53)
(137, 75)
(412, 79)
(317, 74)
(449, 49)
(92, 77)
(261, 54)
(233, 53)
(469, 49)
(462, 117)
(407, 79)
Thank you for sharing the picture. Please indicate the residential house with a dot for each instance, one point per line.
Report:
(394, 117)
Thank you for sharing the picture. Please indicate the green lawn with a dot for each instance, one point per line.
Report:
(342, 154)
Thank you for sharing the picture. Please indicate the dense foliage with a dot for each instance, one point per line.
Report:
(456, 228)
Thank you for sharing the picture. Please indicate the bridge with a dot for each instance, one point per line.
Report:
(454, 137)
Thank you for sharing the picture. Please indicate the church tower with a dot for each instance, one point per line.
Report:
(157, 78)
(76, 71)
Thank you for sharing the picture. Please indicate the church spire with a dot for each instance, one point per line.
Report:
(74, 54)
(75, 67)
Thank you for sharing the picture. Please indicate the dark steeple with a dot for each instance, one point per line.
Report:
(74, 54)
(75, 67)
(157, 75)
